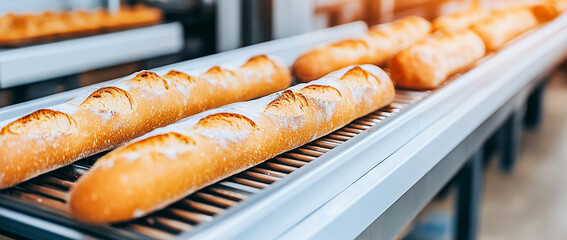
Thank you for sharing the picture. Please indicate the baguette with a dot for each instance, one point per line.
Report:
(427, 63)
(99, 120)
(171, 162)
(459, 20)
(504, 25)
(380, 43)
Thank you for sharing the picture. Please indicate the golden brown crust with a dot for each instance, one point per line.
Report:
(260, 62)
(323, 93)
(289, 104)
(504, 25)
(427, 63)
(109, 99)
(172, 139)
(226, 121)
(150, 81)
(359, 78)
(180, 78)
(51, 138)
(40, 122)
(380, 44)
(223, 141)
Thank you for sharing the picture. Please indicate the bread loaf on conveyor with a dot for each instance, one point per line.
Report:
(459, 20)
(427, 63)
(546, 12)
(380, 43)
(169, 163)
(504, 25)
(101, 119)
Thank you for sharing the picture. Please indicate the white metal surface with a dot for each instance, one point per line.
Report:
(35, 63)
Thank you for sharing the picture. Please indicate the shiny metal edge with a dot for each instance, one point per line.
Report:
(285, 203)
(41, 225)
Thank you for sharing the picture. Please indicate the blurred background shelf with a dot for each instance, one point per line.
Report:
(45, 61)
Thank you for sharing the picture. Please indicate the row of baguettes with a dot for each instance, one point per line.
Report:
(458, 41)
(104, 118)
(429, 62)
(171, 162)
(502, 26)
(376, 47)
(460, 20)
(18, 28)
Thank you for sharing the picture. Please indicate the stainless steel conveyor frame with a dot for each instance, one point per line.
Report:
(380, 178)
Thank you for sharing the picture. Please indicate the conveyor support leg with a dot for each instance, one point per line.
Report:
(510, 136)
(535, 106)
(469, 194)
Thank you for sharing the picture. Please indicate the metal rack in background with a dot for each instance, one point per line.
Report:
(31, 64)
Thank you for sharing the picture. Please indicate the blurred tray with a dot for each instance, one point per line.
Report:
(50, 60)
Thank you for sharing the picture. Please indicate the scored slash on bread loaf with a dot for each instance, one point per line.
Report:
(39, 123)
(103, 118)
(294, 103)
(380, 44)
(226, 121)
(169, 163)
(180, 78)
(151, 81)
(122, 101)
